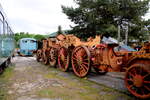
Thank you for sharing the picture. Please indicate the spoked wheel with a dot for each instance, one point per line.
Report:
(45, 58)
(137, 80)
(52, 57)
(38, 55)
(63, 59)
(1, 70)
(81, 61)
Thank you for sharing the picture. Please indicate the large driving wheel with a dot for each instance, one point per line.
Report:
(52, 57)
(63, 59)
(137, 80)
(81, 61)
(38, 55)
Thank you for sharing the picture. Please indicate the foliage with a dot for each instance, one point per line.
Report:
(20, 35)
(59, 30)
(103, 16)
(141, 31)
(147, 25)
(39, 37)
(4, 79)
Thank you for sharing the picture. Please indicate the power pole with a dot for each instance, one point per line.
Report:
(126, 34)
(118, 33)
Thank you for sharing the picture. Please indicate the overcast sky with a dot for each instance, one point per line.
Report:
(37, 16)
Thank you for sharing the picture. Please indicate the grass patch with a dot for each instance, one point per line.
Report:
(54, 93)
(7, 74)
(45, 93)
(54, 74)
(75, 88)
(50, 75)
(4, 79)
(2, 94)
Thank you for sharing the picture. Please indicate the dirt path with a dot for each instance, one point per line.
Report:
(30, 80)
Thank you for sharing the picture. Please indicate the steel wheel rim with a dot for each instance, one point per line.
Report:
(137, 81)
(81, 61)
(63, 59)
(52, 59)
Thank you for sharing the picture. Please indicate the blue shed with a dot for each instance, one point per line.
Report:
(27, 46)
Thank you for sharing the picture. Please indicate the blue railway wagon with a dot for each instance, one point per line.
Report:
(7, 42)
(27, 46)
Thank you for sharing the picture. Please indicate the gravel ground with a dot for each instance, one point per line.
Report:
(32, 80)
(111, 79)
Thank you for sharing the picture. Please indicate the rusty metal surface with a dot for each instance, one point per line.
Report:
(66, 49)
(68, 40)
(105, 58)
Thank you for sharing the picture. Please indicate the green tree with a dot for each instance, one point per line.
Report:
(147, 25)
(59, 30)
(20, 35)
(39, 37)
(103, 16)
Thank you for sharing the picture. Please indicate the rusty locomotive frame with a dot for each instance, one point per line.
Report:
(65, 50)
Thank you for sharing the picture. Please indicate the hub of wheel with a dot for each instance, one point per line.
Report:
(62, 57)
(138, 81)
(79, 61)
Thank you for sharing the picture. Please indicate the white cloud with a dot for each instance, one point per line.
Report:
(36, 16)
